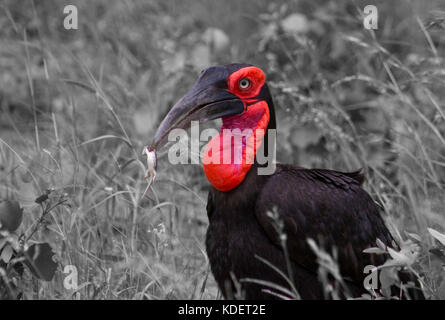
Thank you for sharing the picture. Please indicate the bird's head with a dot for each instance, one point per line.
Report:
(238, 94)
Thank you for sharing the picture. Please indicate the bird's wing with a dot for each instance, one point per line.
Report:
(327, 206)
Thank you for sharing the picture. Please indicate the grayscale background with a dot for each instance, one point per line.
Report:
(77, 107)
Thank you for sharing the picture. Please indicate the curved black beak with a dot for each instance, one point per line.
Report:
(209, 99)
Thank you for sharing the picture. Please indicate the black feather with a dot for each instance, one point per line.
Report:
(327, 206)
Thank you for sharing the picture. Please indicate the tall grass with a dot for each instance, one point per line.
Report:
(78, 105)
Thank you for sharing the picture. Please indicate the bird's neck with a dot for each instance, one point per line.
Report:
(231, 154)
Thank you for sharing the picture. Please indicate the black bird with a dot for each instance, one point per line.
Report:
(246, 208)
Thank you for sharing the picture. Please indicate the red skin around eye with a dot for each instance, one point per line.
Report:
(256, 77)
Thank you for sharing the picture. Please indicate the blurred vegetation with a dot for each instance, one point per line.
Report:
(77, 106)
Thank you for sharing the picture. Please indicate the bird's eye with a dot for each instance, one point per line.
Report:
(244, 83)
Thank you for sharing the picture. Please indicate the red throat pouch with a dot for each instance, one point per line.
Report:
(230, 155)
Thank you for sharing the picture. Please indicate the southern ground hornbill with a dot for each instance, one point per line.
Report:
(243, 241)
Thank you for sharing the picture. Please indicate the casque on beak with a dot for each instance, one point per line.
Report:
(209, 99)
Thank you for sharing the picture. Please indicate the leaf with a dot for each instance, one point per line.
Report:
(374, 250)
(39, 260)
(437, 235)
(398, 257)
(6, 254)
(380, 244)
(414, 236)
(41, 199)
(11, 215)
(406, 256)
